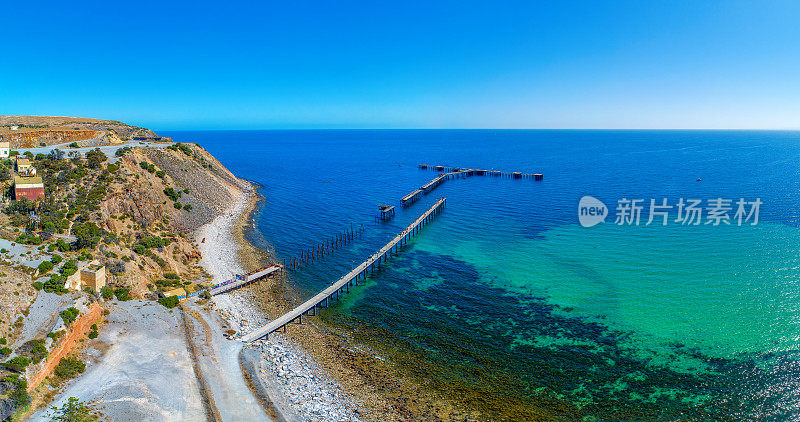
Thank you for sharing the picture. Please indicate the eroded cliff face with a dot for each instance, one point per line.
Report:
(201, 181)
(166, 193)
(33, 131)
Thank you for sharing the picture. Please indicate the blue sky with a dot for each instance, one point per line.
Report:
(409, 64)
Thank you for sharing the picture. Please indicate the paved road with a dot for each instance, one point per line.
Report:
(108, 150)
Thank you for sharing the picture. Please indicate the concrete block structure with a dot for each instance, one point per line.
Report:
(93, 276)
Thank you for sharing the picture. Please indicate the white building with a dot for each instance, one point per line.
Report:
(5, 149)
(14, 127)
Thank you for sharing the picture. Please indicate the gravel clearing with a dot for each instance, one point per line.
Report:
(139, 368)
(43, 315)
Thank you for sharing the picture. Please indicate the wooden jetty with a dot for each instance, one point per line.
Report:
(385, 212)
(411, 198)
(240, 281)
(430, 186)
(483, 172)
(433, 183)
(341, 286)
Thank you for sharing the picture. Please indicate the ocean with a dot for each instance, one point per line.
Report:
(510, 305)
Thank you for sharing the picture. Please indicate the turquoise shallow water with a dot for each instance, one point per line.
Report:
(505, 296)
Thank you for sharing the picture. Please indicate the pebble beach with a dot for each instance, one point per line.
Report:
(284, 375)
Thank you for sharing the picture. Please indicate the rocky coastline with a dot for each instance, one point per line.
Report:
(282, 375)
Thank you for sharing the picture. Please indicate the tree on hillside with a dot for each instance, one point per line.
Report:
(95, 157)
(88, 235)
(57, 154)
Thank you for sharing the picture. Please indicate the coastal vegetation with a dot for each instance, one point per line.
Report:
(129, 210)
(73, 410)
(68, 368)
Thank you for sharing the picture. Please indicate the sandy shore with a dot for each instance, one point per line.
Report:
(278, 374)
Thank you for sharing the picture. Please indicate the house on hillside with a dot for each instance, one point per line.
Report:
(28, 187)
(93, 276)
(23, 165)
(5, 149)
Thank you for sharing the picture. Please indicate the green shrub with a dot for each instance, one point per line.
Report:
(73, 145)
(38, 285)
(170, 192)
(73, 410)
(69, 315)
(34, 349)
(19, 395)
(169, 302)
(122, 294)
(68, 368)
(55, 284)
(60, 243)
(177, 205)
(171, 276)
(5, 351)
(88, 235)
(17, 363)
(45, 266)
(187, 207)
(55, 334)
(107, 292)
(95, 157)
(71, 264)
(56, 259)
(181, 147)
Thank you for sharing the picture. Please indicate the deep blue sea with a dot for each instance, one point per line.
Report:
(508, 303)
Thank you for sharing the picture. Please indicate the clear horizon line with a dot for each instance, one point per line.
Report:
(486, 129)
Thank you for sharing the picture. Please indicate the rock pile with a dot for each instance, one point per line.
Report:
(304, 382)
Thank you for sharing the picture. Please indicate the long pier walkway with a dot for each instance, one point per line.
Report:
(459, 172)
(343, 284)
(430, 186)
(483, 172)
